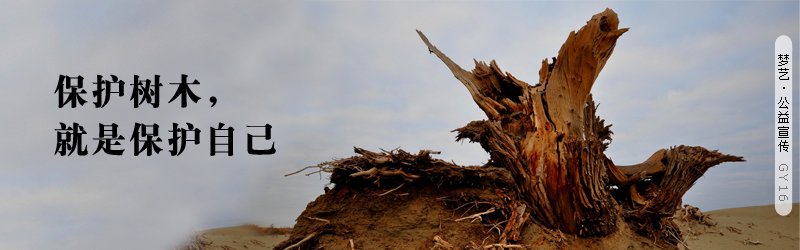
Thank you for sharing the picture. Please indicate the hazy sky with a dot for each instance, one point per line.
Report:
(332, 75)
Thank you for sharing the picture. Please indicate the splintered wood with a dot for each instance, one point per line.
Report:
(552, 142)
(540, 134)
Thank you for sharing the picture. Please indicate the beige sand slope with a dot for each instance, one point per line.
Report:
(746, 228)
(736, 228)
(239, 237)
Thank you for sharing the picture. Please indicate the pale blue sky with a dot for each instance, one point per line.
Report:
(332, 75)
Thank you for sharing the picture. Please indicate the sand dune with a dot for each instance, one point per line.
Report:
(735, 228)
(745, 228)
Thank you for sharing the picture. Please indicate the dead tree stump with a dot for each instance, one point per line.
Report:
(552, 142)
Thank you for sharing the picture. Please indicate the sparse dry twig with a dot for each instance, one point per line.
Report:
(679, 239)
(476, 216)
(496, 226)
(301, 170)
(295, 245)
(317, 219)
(394, 189)
(375, 171)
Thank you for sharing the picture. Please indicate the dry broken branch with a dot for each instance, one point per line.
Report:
(297, 245)
(392, 190)
(317, 219)
(440, 243)
(503, 246)
(476, 216)
(372, 172)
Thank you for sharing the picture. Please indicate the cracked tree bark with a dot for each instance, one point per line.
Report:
(550, 139)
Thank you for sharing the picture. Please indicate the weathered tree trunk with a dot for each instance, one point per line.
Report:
(551, 141)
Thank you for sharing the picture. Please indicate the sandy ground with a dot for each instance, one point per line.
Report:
(240, 237)
(737, 228)
(747, 228)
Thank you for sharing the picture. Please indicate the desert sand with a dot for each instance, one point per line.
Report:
(735, 228)
(238, 237)
(745, 228)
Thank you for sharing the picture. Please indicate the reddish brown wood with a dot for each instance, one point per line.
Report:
(550, 139)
